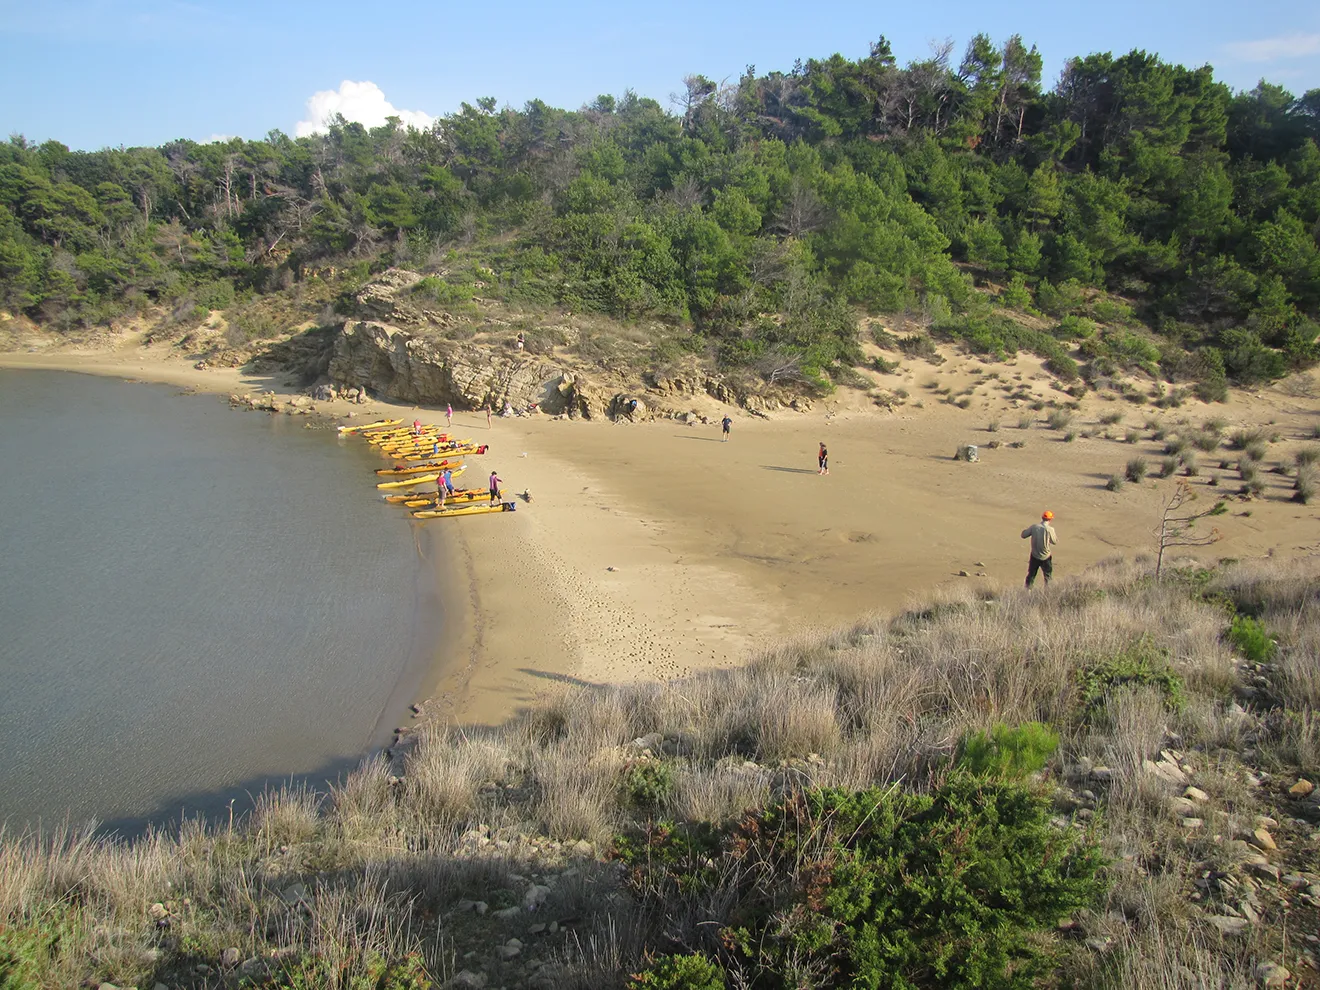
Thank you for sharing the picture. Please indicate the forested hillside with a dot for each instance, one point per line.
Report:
(763, 216)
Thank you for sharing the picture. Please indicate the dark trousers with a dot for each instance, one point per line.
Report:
(1045, 566)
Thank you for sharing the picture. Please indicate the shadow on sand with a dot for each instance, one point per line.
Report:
(787, 470)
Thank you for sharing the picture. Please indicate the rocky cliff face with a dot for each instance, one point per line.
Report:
(394, 351)
(426, 370)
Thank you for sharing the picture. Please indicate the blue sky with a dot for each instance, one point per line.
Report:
(93, 73)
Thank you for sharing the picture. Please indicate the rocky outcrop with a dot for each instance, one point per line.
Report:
(428, 370)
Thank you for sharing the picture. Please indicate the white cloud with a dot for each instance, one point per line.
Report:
(360, 101)
(1270, 49)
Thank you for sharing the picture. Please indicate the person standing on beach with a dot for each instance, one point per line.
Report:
(725, 423)
(447, 481)
(495, 482)
(449, 415)
(417, 427)
(488, 415)
(440, 494)
(823, 459)
(1043, 538)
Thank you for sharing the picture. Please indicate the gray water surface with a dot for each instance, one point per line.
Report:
(193, 602)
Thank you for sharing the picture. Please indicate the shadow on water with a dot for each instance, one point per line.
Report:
(216, 805)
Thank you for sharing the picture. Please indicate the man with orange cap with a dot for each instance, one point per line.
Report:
(1042, 538)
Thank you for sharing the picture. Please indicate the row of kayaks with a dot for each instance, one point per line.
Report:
(421, 454)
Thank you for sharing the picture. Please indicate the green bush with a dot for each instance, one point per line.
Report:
(1008, 750)
(1251, 639)
(1135, 470)
(956, 888)
(364, 970)
(646, 784)
(1143, 664)
(691, 972)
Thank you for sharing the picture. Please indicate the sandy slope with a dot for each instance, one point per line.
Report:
(652, 549)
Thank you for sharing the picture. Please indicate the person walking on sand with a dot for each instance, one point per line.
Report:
(447, 481)
(488, 415)
(495, 482)
(1043, 538)
(440, 495)
(725, 423)
(449, 415)
(823, 459)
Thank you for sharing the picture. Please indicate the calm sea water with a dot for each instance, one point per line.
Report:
(194, 602)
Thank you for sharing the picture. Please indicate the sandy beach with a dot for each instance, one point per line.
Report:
(652, 549)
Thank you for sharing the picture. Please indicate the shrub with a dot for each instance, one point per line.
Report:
(1070, 436)
(920, 345)
(1242, 439)
(1110, 418)
(361, 970)
(1206, 442)
(1131, 436)
(1059, 419)
(1214, 425)
(1304, 487)
(959, 887)
(1115, 483)
(1168, 466)
(1135, 470)
(1247, 471)
(1143, 664)
(1255, 451)
(1175, 446)
(1008, 751)
(884, 367)
(1159, 432)
(691, 972)
(647, 784)
(1190, 466)
(1025, 420)
(1306, 457)
(992, 426)
(1250, 638)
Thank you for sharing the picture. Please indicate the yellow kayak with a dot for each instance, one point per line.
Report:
(409, 439)
(395, 436)
(415, 499)
(464, 510)
(420, 440)
(369, 426)
(465, 451)
(418, 500)
(419, 468)
(417, 479)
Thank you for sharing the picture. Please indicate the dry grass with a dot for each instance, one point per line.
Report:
(886, 701)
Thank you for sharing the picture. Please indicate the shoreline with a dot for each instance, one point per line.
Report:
(652, 550)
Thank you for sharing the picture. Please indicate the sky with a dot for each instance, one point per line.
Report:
(106, 73)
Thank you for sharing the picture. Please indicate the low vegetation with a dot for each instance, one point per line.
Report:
(1069, 772)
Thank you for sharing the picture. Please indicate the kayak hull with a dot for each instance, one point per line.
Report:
(466, 510)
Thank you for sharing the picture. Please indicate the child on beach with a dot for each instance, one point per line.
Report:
(495, 482)
(823, 459)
